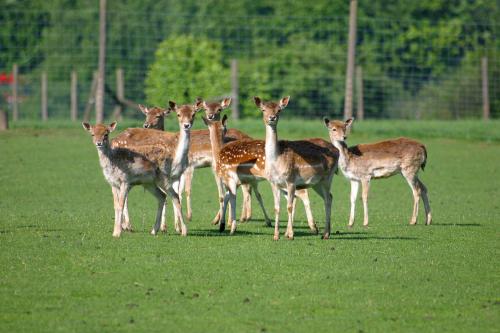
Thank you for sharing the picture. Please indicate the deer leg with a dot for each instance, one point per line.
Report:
(289, 201)
(220, 191)
(232, 201)
(276, 195)
(324, 192)
(188, 181)
(261, 204)
(115, 191)
(412, 181)
(163, 225)
(354, 196)
(160, 196)
(121, 196)
(222, 224)
(126, 226)
(249, 204)
(425, 199)
(246, 206)
(304, 196)
(365, 186)
(178, 210)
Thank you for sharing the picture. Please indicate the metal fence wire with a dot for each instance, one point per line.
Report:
(399, 75)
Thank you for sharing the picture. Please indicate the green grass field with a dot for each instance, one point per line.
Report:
(62, 271)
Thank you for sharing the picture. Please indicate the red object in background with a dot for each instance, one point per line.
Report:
(6, 78)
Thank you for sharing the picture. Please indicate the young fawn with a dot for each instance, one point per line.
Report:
(243, 162)
(383, 159)
(200, 152)
(293, 165)
(123, 168)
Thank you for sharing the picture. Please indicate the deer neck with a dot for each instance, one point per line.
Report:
(180, 161)
(105, 158)
(216, 141)
(272, 150)
(343, 153)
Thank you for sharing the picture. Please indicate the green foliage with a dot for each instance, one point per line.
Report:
(62, 270)
(185, 68)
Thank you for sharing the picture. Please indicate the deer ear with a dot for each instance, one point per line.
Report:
(112, 126)
(172, 105)
(87, 126)
(284, 102)
(257, 101)
(326, 121)
(198, 105)
(166, 112)
(224, 120)
(143, 109)
(225, 102)
(348, 122)
(205, 106)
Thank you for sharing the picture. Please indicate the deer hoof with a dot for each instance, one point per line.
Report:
(276, 237)
(326, 236)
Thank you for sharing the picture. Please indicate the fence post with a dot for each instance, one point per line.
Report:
(45, 114)
(120, 93)
(360, 112)
(91, 99)
(4, 120)
(99, 103)
(74, 95)
(351, 52)
(486, 97)
(15, 106)
(235, 89)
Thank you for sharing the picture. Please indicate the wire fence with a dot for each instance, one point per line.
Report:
(399, 75)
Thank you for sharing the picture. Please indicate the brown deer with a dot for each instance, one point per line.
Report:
(145, 157)
(123, 168)
(200, 153)
(292, 165)
(364, 162)
(243, 162)
(171, 155)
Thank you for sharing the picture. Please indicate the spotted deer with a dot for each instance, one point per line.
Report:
(364, 162)
(243, 162)
(200, 153)
(123, 169)
(296, 165)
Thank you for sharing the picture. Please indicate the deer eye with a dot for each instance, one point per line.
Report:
(334, 129)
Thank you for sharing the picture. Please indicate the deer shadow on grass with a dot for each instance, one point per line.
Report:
(456, 225)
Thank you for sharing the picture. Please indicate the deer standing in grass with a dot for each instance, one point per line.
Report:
(123, 168)
(200, 154)
(154, 159)
(383, 159)
(296, 165)
(239, 163)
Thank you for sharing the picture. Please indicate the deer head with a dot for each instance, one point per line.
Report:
(213, 110)
(100, 133)
(185, 113)
(271, 110)
(155, 116)
(337, 129)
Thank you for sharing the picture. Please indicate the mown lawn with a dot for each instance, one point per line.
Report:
(62, 271)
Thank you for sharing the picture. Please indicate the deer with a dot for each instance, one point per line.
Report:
(123, 169)
(296, 165)
(151, 158)
(243, 163)
(364, 162)
(200, 154)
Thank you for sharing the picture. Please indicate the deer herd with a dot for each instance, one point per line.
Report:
(164, 162)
